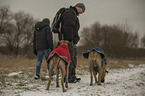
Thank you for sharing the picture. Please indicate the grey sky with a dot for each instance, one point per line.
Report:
(104, 11)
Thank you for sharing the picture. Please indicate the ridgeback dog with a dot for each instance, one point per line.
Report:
(96, 65)
(58, 60)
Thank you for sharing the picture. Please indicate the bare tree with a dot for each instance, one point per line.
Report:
(24, 26)
(143, 41)
(9, 40)
(5, 19)
(115, 39)
(16, 31)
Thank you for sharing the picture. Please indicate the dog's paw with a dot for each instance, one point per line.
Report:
(102, 81)
(57, 86)
(47, 88)
(99, 84)
(66, 86)
(64, 90)
(91, 84)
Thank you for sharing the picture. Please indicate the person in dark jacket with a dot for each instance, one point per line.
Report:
(42, 43)
(69, 31)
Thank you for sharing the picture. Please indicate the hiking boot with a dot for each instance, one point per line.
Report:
(37, 76)
(72, 81)
(78, 79)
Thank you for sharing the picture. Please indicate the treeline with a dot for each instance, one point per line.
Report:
(16, 36)
(118, 41)
(16, 32)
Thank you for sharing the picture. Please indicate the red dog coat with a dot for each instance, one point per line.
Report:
(62, 51)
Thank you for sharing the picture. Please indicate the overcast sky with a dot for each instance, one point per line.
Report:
(104, 11)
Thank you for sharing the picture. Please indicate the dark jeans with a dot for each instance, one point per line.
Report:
(73, 64)
(40, 54)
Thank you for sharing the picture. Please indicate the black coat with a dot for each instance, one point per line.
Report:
(42, 36)
(70, 25)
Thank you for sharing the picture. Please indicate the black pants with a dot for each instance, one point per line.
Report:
(73, 64)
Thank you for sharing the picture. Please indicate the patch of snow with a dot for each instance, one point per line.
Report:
(142, 65)
(119, 82)
(130, 65)
(15, 73)
(124, 82)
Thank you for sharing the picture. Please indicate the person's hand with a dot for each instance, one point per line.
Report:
(51, 49)
(35, 52)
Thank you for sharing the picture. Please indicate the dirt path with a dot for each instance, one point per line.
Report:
(121, 82)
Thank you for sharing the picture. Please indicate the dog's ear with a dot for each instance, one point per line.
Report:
(68, 43)
(59, 43)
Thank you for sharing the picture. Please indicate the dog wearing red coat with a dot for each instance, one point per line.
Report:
(60, 58)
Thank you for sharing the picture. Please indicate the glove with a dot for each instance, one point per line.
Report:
(51, 49)
(35, 52)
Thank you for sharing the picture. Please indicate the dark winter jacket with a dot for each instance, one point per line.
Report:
(42, 36)
(70, 25)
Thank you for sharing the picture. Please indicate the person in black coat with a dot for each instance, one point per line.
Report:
(42, 43)
(69, 31)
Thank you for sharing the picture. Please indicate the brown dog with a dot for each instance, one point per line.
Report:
(56, 62)
(95, 61)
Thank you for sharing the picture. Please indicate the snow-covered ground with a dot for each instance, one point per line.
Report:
(119, 82)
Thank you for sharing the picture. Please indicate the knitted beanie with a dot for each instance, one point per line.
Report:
(46, 20)
(80, 5)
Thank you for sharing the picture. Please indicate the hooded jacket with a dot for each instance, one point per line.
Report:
(42, 36)
(70, 25)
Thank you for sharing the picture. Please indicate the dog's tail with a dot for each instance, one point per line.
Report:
(56, 62)
(96, 69)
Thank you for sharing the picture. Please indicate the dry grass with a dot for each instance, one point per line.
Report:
(111, 63)
(120, 63)
(29, 65)
(24, 81)
(22, 64)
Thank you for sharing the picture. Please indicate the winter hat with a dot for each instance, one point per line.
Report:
(81, 5)
(46, 20)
